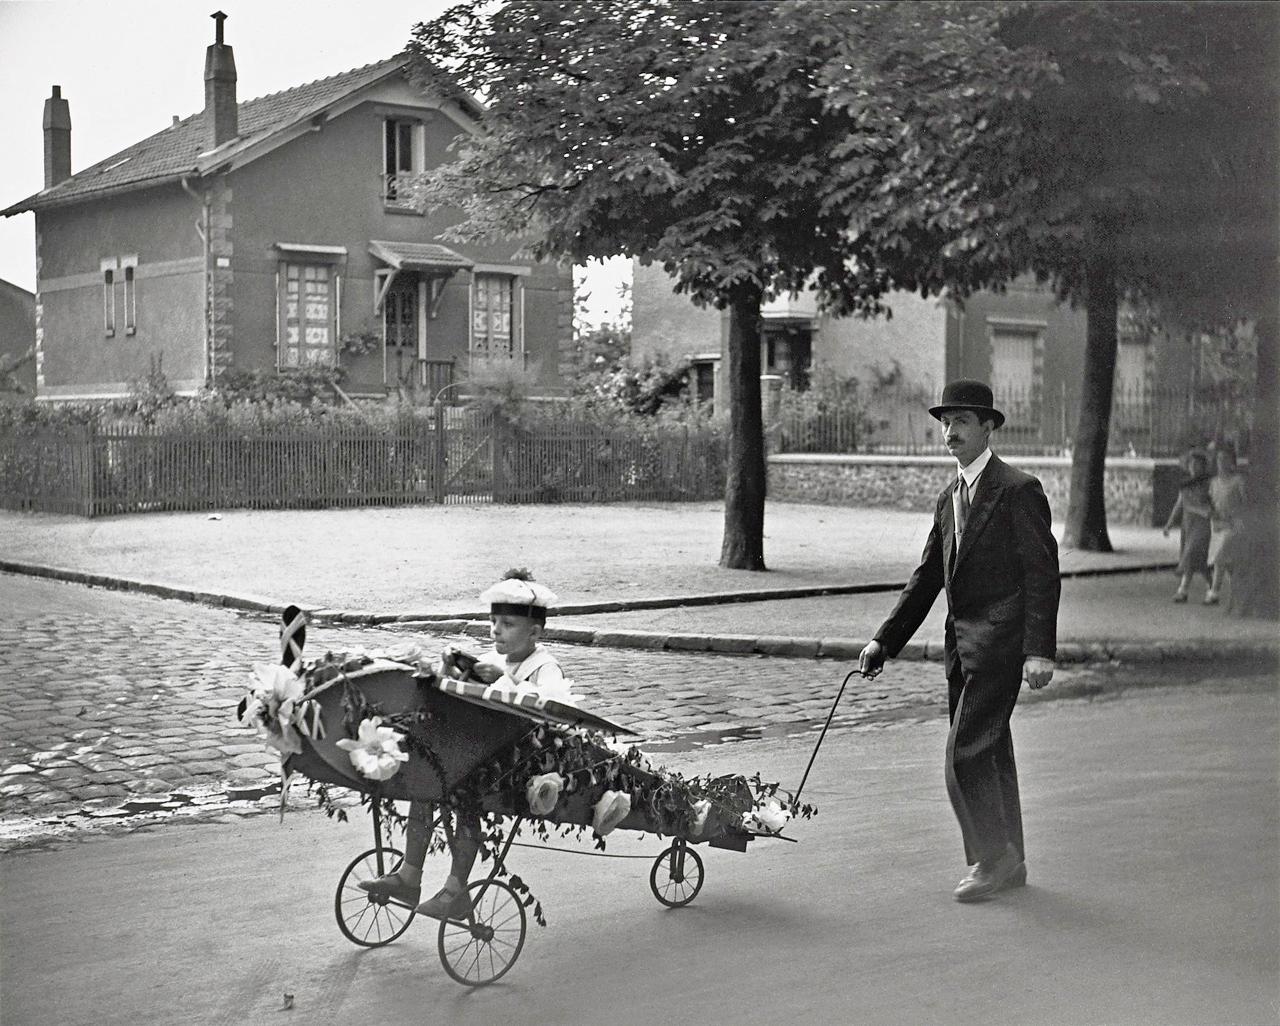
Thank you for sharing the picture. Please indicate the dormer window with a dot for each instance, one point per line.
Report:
(401, 160)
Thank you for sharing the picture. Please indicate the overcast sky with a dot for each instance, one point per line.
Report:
(127, 66)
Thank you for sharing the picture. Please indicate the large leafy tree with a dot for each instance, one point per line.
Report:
(1111, 149)
(696, 135)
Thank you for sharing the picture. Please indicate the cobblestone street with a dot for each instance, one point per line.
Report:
(116, 703)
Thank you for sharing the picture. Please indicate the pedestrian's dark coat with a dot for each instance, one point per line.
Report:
(1002, 591)
(1002, 586)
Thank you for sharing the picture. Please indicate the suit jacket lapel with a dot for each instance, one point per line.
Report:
(981, 505)
(947, 529)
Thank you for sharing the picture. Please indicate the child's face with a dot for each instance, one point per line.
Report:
(514, 636)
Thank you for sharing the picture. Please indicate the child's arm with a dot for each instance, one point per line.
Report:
(1175, 516)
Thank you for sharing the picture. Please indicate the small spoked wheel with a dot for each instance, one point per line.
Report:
(676, 876)
(477, 952)
(365, 919)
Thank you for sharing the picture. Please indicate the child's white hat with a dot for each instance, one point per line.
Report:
(519, 594)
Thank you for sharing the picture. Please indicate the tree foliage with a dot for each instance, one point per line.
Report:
(695, 135)
(1111, 149)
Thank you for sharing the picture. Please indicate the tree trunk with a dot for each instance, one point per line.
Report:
(1086, 524)
(744, 487)
(1255, 585)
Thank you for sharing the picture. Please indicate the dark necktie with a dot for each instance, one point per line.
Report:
(963, 507)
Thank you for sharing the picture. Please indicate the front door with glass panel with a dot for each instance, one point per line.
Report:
(400, 313)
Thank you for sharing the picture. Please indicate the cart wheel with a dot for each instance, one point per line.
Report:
(676, 877)
(363, 918)
(478, 952)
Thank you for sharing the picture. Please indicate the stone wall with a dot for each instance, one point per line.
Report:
(1137, 490)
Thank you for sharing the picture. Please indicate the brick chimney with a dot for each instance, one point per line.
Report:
(57, 139)
(220, 115)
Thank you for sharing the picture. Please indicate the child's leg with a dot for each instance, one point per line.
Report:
(1215, 585)
(466, 845)
(417, 838)
(405, 884)
(1181, 594)
(451, 901)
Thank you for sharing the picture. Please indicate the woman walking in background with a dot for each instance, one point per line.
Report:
(1226, 494)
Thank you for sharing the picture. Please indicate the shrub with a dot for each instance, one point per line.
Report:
(829, 417)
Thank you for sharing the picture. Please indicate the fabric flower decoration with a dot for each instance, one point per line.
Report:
(701, 810)
(375, 753)
(768, 817)
(610, 810)
(408, 652)
(543, 792)
(270, 706)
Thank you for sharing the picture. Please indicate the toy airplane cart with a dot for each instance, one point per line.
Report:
(391, 726)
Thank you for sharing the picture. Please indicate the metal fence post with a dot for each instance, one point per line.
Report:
(439, 461)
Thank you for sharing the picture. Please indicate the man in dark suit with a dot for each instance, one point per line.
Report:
(991, 550)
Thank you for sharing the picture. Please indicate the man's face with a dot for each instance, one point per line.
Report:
(966, 436)
(514, 636)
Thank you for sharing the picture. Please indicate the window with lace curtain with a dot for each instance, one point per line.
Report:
(492, 321)
(307, 310)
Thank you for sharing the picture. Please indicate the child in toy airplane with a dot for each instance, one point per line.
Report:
(517, 615)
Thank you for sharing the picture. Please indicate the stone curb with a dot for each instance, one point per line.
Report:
(846, 649)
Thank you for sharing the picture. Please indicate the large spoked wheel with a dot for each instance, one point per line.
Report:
(676, 876)
(365, 919)
(478, 952)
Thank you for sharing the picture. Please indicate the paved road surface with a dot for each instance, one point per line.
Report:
(1151, 825)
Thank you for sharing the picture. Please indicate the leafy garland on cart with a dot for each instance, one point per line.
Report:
(530, 778)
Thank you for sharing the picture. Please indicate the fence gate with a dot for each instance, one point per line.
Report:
(464, 440)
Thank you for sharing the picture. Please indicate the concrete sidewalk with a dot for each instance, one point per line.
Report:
(627, 575)
(1132, 914)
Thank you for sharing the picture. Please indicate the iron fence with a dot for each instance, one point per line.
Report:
(1150, 422)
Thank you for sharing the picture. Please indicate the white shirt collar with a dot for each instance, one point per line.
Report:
(974, 470)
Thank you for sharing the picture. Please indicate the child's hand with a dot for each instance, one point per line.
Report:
(486, 672)
(456, 662)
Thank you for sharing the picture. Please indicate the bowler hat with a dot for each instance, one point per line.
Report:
(966, 394)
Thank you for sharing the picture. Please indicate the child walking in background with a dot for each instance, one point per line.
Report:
(1192, 511)
(1227, 496)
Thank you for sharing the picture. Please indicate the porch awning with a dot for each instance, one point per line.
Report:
(428, 257)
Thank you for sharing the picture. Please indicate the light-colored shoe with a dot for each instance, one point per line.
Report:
(1211, 598)
(446, 905)
(391, 886)
(990, 877)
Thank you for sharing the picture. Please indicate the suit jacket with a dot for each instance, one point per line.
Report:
(1002, 586)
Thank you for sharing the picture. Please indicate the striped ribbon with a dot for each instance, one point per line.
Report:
(293, 635)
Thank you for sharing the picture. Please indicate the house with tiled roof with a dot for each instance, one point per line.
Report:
(279, 233)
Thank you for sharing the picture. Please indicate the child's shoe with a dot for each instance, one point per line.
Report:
(1211, 598)
(446, 905)
(391, 886)
(1179, 596)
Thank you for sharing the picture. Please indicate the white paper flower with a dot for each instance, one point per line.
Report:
(271, 706)
(375, 753)
(701, 810)
(408, 652)
(543, 792)
(610, 810)
(768, 817)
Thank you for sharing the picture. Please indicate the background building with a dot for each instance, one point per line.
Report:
(281, 233)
